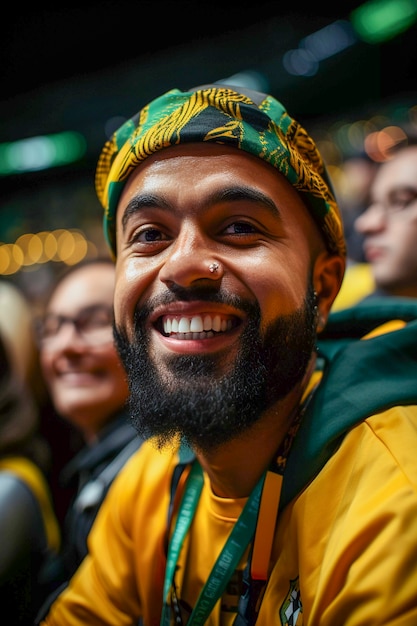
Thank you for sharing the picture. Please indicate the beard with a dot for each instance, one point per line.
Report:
(201, 407)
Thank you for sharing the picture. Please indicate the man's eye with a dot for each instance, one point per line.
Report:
(152, 234)
(149, 235)
(240, 228)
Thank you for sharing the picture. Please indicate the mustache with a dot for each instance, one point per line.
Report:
(193, 294)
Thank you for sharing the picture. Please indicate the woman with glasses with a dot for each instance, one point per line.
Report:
(87, 385)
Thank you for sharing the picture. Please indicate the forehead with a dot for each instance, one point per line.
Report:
(186, 171)
(82, 288)
(400, 171)
(202, 158)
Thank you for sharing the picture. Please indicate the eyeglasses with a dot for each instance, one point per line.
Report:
(396, 203)
(93, 324)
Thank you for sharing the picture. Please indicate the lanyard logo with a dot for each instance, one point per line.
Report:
(291, 607)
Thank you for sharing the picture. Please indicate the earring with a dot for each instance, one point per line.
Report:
(316, 307)
(318, 322)
(321, 323)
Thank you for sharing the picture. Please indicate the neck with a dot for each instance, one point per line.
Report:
(235, 467)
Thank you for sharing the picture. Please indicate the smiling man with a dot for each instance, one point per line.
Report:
(275, 478)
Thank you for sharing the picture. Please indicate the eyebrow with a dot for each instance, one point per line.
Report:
(92, 308)
(144, 201)
(390, 194)
(228, 194)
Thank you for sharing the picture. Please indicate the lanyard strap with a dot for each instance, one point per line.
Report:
(238, 540)
(186, 512)
(232, 552)
(262, 513)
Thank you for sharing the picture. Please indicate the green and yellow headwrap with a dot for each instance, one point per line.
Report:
(250, 121)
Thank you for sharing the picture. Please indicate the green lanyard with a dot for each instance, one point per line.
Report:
(238, 540)
(242, 534)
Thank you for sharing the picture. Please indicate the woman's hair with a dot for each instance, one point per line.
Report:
(72, 269)
(19, 418)
(19, 408)
(17, 330)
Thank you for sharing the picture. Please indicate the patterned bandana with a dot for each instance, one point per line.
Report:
(250, 121)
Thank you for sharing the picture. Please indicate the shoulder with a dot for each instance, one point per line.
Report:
(373, 474)
(395, 436)
(370, 357)
(148, 465)
(138, 496)
(20, 521)
(25, 486)
(15, 496)
(25, 477)
(374, 464)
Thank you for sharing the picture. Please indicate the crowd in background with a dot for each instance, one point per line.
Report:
(55, 439)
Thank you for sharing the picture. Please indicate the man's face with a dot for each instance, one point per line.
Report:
(208, 351)
(389, 225)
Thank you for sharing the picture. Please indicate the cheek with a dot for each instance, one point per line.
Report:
(46, 361)
(131, 282)
(108, 375)
(403, 237)
(115, 373)
(405, 248)
(282, 289)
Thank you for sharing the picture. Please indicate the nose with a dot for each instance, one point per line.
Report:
(372, 220)
(192, 257)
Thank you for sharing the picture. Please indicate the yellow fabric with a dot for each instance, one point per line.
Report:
(358, 282)
(388, 327)
(347, 542)
(31, 475)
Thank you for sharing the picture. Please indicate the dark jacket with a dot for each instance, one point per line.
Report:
(29, 530)
(91, 472)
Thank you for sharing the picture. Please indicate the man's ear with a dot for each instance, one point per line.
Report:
(327, 279)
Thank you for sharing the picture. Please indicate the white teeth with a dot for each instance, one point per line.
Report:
(196, 327)
(217, 323)
(184, 325)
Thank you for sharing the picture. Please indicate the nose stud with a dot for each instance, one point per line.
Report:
(213, 267)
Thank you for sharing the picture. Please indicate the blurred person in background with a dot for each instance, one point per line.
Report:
(17, 318)
(16, 323)
(88, 388)
(29, 530)
(389, 224)
(352, 190)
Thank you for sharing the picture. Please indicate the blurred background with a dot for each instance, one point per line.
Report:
(71, 74)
